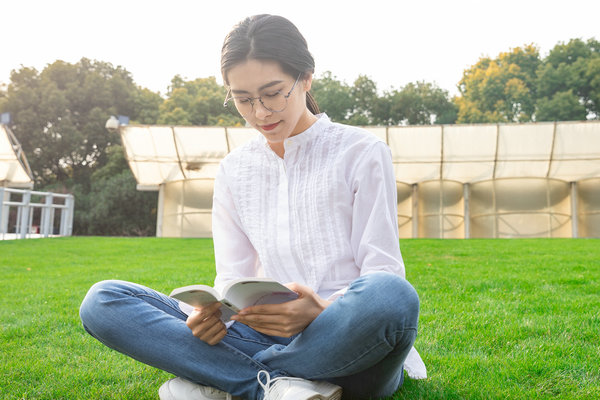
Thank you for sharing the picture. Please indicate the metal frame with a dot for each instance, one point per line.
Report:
(25, 212)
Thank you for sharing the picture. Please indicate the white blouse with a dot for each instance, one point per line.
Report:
(322, 216)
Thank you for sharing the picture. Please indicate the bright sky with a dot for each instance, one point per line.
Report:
(394, 42)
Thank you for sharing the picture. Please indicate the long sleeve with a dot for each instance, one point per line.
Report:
(374, 230)
(374, 216)
(235, 256)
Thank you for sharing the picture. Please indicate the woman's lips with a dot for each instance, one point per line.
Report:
(270, 127)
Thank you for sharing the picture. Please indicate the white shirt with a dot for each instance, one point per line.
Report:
(322, 216)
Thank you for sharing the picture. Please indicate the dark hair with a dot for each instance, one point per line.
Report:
(269, 37)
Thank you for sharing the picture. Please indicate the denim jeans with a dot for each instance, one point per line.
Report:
(359, 342)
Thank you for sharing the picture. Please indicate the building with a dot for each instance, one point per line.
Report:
(454, 181)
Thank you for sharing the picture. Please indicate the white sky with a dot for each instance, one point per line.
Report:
(392, 42)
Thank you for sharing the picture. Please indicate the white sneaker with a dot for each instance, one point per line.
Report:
(181, 389)
(297, 388)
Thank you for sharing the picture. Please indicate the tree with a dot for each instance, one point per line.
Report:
(420, 103)
(118, 208)
(568, 82)
(147, 104)
(360, 104)
(333, 96)
(519, 86)
(60, 113)
(59, 117)
(111, 205)
(563, 106)
(364, 97)
(500, 89)
(197, 102)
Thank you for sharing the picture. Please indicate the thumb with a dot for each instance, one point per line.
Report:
(298, 288)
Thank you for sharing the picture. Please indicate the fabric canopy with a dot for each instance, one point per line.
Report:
(568, 151)
(14, 169)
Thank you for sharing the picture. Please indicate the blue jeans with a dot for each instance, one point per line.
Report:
(359, 342)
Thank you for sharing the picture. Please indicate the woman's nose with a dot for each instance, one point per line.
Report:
(260, 111)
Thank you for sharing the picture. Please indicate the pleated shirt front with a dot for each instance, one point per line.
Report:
(321, 216)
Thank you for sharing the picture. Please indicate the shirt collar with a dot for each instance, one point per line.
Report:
(304, 137)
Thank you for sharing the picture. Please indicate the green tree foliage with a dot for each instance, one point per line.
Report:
(419, 103)
(520, 86)
(333, 96)
(147, 104)
(361, 104)
(364, 99)
(561, 106)
(111, 205)
(500, 89)
(59, 116)
(198, 102)
(568, 82)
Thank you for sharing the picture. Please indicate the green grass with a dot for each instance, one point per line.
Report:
(499, 318)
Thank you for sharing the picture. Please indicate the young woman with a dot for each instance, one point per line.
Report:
(310, 203)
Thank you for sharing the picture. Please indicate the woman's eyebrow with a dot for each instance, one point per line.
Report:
(263, 87)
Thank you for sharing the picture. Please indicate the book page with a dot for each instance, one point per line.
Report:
(200, 295)
(196, 295)
(253, 291)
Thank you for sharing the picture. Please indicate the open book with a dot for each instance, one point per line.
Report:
(238, 294)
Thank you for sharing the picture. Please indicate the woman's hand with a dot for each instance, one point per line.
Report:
(206, 325)
(286, 319)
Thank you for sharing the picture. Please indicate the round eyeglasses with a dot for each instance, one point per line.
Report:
(274, 102)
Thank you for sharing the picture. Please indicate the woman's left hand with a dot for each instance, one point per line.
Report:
(286, 319)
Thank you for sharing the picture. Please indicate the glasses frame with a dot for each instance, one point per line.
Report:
(259, 98)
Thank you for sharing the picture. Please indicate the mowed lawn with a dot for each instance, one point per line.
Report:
(500, 319)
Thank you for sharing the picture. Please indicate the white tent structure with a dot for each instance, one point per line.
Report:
(25, 213)
(14, 169)
(454, 181)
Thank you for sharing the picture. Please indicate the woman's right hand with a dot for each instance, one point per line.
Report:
(206, 324)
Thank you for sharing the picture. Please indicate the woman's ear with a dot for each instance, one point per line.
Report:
(307, 81)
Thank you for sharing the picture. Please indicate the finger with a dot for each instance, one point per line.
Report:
(208, 323)
(301, 290)
(200, 314)
(267, 309)
(210, 309)
(262, 319)
(278, 331)
(275, 328)
(294, 287)
(207, 328)
(217, 337)
(213, 334)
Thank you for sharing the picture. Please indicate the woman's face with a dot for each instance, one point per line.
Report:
(261, 78)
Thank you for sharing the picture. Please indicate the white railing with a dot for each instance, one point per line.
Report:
(19, 219)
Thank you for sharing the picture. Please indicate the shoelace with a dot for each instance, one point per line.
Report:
(268, 385)
(265, 386)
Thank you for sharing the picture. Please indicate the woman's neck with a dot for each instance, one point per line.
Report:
(307, 120)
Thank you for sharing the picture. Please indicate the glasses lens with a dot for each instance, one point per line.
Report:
(238, 108)
(243, 106)
(274, 102)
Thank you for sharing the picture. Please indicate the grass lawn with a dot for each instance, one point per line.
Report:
(499, 318)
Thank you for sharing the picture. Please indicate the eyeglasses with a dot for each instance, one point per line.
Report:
(274, 102)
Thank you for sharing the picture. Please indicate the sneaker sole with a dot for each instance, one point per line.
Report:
(328, 394)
